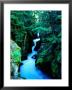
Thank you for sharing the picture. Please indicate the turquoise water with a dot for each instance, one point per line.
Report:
(28, 70)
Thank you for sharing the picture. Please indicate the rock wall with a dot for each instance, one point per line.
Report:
(26, 45)
(49, 54)
(15, 59)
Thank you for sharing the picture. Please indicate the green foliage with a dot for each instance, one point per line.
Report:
(26, 24)
(54, 68)
(22, 23)
(49, 54)
(15, 52)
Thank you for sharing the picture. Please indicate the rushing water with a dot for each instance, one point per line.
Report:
(28, 70)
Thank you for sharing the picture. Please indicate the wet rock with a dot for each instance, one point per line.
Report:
(26, 46)
(35, 36)
(38, 44)
(20, 66)
(24, 56)
(34, 56)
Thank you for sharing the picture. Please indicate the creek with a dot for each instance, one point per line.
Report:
(28, 69)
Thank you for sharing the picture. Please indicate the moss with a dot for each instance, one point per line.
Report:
(15, 52)
(15, 58)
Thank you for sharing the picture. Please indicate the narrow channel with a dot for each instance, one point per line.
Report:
(28, 70)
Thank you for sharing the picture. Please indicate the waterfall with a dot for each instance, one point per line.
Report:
(38, 34)
(35, 41)
(28, 70)
(33, 51)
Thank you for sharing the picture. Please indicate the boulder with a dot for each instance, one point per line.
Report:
(34, 56)
(38, 44)
(15, 54)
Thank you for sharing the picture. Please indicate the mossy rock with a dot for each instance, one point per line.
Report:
(15, 52)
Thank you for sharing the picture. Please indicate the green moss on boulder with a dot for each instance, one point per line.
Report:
(15, 58)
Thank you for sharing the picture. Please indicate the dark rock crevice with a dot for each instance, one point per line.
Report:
(27, 45)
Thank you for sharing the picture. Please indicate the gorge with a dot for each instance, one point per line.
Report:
(28, 69)
(35, 47)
